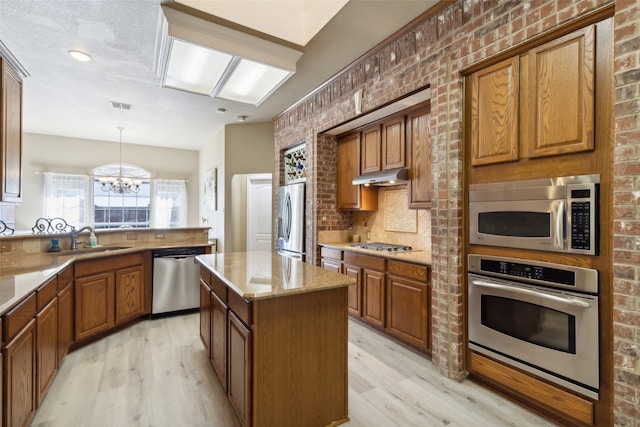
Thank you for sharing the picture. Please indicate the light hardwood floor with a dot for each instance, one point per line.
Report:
(156, 373)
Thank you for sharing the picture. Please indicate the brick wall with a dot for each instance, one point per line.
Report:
(626, 239)
(432, 53)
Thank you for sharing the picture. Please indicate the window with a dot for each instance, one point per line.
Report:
(67, 196)
(114, 210)
(161, 203)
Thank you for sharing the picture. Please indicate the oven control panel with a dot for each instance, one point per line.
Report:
(542, 273)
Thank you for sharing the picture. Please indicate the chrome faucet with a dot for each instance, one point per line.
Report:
(74, 235)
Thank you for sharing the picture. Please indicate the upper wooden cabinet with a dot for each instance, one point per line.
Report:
(371, 150)
(393, 149)
(561, 84)
(419, 159)
(494, 113)
(353, 197)
(540, 103)
(11, 134)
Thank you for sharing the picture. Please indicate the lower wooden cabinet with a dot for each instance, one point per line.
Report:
(46, 348)
(95, 305)
(65, 321)
(239, 369)
(20, 377)
(205, 315)
(219, 336)
(129, 293)
(394, 296)
(373, 296)
(109, 291)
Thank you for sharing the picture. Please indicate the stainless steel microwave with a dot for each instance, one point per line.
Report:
(551, 214)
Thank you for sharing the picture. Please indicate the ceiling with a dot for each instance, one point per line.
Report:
(69, 98)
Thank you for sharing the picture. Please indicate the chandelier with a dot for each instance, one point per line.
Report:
(120, 184)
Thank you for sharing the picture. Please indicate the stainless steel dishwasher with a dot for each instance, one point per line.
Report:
(176, 279)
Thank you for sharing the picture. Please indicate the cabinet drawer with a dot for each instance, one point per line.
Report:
(65, 278)
(205, 275)
(46, 292)
(241, 307)
(374, 263)
(412, 271)
(19, 317)
(219, 287)
(330, 253)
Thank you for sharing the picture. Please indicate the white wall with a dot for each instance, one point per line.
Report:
(211, 157)
(49, 153)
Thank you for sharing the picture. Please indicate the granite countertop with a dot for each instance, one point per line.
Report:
(18, 280)
(259, 275)
(415, 256)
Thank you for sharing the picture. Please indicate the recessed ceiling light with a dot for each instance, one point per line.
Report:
(80, 56)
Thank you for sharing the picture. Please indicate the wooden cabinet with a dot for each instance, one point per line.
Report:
(219, 337)
(11, 132)
(354, 295)
(129, 293)
(46, 348)
(371, 150)
(393, 144)
(20, 377)
(95, 305)
(538, 104)
(65, 312)
(373, 296)
(108, 292)
(419, 159)
(408, 302)
(561, 79)
(239, 369)
(205, 315)
(352, 197)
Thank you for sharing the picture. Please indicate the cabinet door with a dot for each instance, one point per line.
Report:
(374, 297)
(11, 137)
(219, 324)
(371, 150)
(205, 316)
(129, 293)
(494, 113)
(20, 377)
(239, 388)
(561, 75)
(331, 265)
(95, 301)
(393, 145)
(46, 348)
(354, 293)
(65, 322)
(407, 310)
(419, 154)
(356, 197)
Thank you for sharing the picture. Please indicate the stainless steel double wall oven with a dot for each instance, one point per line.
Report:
(541, 317)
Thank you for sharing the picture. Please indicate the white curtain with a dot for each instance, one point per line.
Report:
(168, 203)
(68, 197)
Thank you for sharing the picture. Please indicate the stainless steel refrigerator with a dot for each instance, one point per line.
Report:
(291, 221)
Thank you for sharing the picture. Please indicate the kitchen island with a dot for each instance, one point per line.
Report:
(276, 332)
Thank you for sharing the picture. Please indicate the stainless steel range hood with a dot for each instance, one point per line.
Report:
(383, 178)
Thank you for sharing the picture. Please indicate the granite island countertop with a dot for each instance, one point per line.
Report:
(416, 256)
(259, 275)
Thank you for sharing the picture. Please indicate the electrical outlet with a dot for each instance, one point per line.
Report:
(132, 236)
(159, 236)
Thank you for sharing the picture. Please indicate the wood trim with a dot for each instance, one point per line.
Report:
(532, 389)
(564, 29)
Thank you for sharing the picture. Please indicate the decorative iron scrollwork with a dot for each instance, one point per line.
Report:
(51, 226)
(5, 230)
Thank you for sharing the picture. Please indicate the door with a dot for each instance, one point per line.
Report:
(259, 202)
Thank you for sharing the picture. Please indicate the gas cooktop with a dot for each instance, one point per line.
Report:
(382, 247)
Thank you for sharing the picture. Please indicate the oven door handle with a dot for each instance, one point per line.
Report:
(568, 301)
